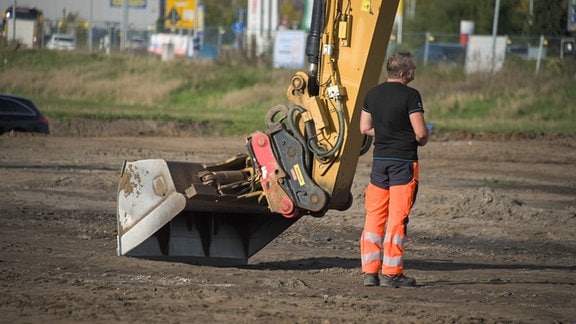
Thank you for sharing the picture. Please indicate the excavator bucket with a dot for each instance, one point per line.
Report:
(166, 212)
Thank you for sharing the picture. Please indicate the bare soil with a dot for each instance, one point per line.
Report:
(491, 238)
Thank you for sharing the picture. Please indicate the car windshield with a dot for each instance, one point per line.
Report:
(65, 39)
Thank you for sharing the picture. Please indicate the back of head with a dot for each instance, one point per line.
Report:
(399, 62)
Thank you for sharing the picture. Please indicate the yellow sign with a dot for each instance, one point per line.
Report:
(131, 3)
(366, 5)
(180, 14)
(297, 175)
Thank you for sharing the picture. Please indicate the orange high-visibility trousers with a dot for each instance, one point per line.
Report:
(387, 210)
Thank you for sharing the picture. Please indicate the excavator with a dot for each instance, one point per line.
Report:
(302, 165)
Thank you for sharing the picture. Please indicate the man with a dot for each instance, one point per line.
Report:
(393, 114)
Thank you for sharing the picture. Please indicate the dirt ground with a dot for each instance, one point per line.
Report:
(491, 239)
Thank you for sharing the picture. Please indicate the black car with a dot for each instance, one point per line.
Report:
(21, 115)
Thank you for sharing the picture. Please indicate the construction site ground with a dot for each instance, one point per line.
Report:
(491, 238)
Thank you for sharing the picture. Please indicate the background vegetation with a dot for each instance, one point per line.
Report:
(516, 17)
(237, 95)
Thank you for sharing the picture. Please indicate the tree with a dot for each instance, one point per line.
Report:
(549, 16)
(222, 13)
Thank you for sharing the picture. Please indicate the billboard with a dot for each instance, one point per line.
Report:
(180, 14)
(485, 53)
(289, 49)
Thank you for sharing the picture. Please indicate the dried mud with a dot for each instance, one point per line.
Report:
(491, 238)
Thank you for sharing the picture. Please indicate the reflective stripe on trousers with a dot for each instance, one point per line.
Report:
(382, 241)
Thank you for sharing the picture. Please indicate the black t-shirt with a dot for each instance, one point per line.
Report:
(390, 105)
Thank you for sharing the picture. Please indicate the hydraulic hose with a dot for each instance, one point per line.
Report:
(313, 43)
(313, 145)
(296, 132)
(310, 142)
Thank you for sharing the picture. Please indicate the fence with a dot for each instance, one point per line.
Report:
(447, 48)
(427, 47)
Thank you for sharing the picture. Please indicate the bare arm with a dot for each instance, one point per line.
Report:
(366, 124)
(419, 126)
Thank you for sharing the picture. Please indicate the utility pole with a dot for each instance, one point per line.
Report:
(124, 39)
(495, 32)
(90, 26)
(14, 21)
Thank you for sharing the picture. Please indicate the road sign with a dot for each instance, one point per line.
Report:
(180, 14)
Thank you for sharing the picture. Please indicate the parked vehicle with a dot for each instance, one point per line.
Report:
(442, 53)
(25, 26)
(61, 42)
(138, 44)
(21, 115)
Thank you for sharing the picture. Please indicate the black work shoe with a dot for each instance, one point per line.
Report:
(371, 280)
(397, 281)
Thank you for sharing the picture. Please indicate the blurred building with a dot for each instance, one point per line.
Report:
(141, 14)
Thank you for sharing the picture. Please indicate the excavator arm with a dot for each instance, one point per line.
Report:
(302, 164)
